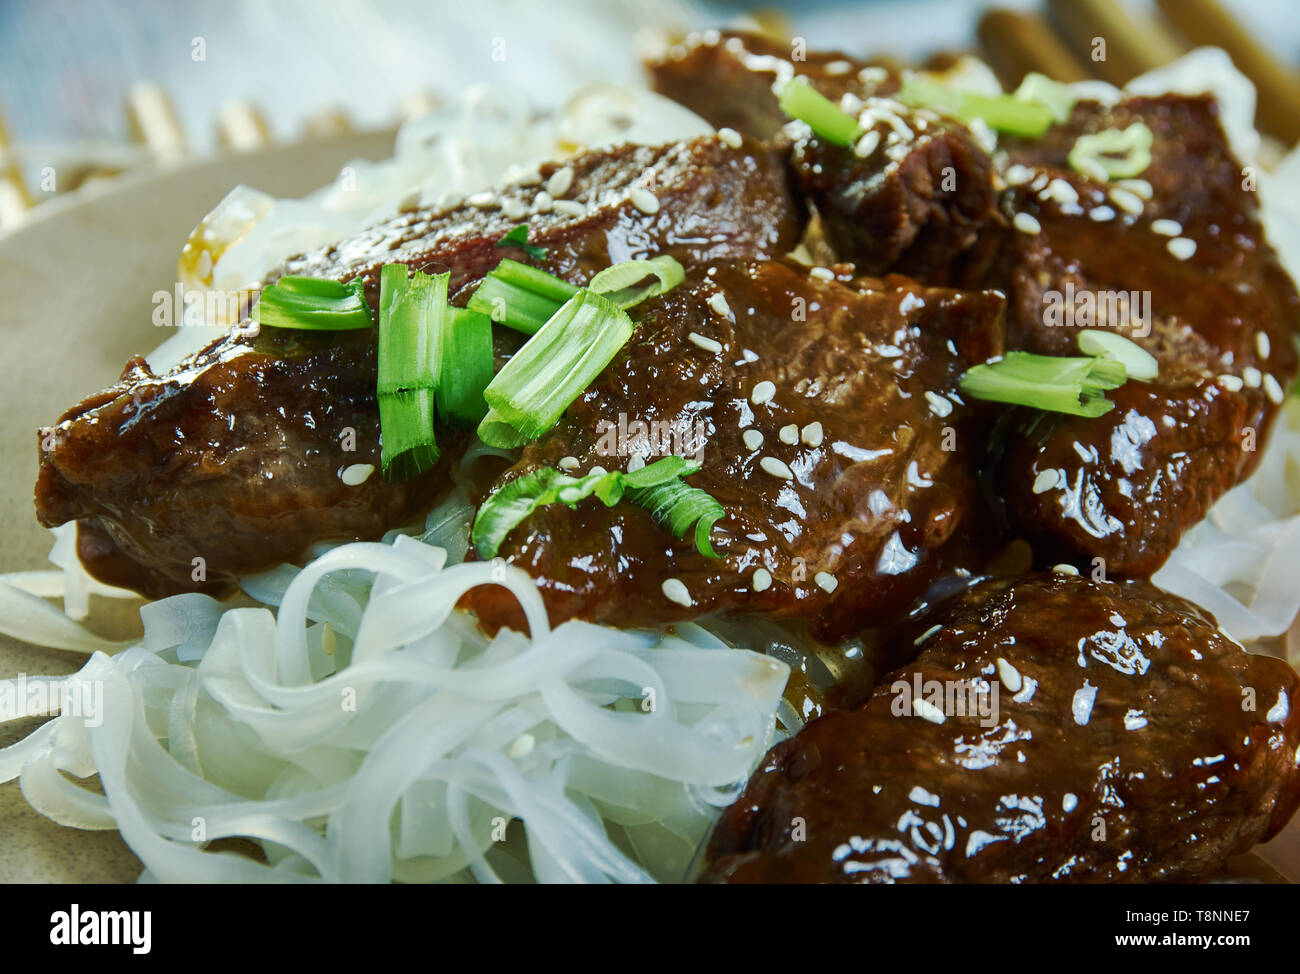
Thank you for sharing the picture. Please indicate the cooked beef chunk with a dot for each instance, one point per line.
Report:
(1222, 323)
(727, 78)
(235, 456)
(846, 522)
(1129, 741)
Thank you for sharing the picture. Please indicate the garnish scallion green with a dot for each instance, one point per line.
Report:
(1113, 153)
(313, 304)
(1003, 113)
(1052, 95)
(800, 100)
(520, 297)
(630, 282)
(408, 374)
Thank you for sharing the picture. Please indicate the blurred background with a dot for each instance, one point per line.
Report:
(90, 89)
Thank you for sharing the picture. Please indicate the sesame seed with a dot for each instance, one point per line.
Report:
(1009, 675)
(1232, 383)
(763, 392)
(357, 474)
(718, 302)
(1093, 168)
(752, 439)
(762, 580)
(1181, 247)
(1252, 376)
(730, 137)
(1040, 182)
(560, 181)
(708, 344)
(1064, 569)
(1061, 191)
(569, 208)
(514, 209)
(1138, 187)
(1046, 480)
(939, 405)
(826, 581)
(542, 202)
(675, 590)
(531, 177)
(866, 145)
(812, 434)
(1273, 388)
(1018, 175)
(789, 434)
(838, 67)
(1126, 200)
(822, 273)
(521, 747)
(1027, 223)
(568, 463)
(1069, 802)
(408, 203)
(644, 200)
(485, 200)
(1100, 214)
(1262, 344)
(635, 463)
(1166, 228)
(924, 708)
(850, 104)
(776, 468)
(449, 201)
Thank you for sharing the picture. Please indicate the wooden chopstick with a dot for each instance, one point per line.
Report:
(1206, 22)
(242, 127)
(152, 119)
(1132, 44)
(1014, 44)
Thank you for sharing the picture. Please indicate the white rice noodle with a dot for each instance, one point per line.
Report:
(395, 741)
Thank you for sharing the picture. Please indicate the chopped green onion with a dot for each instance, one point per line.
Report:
(463, 352)
(1053, 383)
(1052, 95)
(800, 100)
(533, 389)
(313, 304)
(1113, 153)
(1138, 362)
(1004, 113)
(518, 237)
(508, 507)
(520, 297)
(630, 282)
(412, 312)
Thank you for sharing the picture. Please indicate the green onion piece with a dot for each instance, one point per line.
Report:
(1138, 362)
(507, 508)
(412, 312)
(518, 237)
(463, 351)
(1052, 383)
(800, 100)
(676, 505)
(1113, 153)
(533, 389)
(313, 304)
(630, 282)
(519, 296)
(1004, 113)
(1052, 95)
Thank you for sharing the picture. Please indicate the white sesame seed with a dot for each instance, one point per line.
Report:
(1181, 247)
(1126, 200)
(730, 137)
(1064, 569)
(826, 581)
(1138, 187)
(1100, 214)
(812, 434)
(752, 439)
(1273, 388)
(822, 273)
(514, 209)
(789, 434)
(1027, 223)
(939, 405)
(776, 468)
(1252, 376)
(408, 203)
(543, 202)
(449, 201)
(850, 104)
(521, 747)
(924, 708)
(357, 474)
(569, 207)
(1009, 675)
(1069, 802)
(568, 463)
(763, 392)
(718, 302)
(1040, 182)
(485, 200)
(1262, 344)
(762, 580)
(675, 590)
(838, 67)
(866, 145)
(1061, 191)
(704, 342)
(1018, 175)
(1046, 480)
(560, 181)
(644, 200)
(1166, 228)
(1232, 383)
(635, 462)
(531, 177)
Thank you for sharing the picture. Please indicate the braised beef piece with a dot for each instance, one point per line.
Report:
(235, 456)
(1129, 741)
(847, 522)
(1222, 322)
